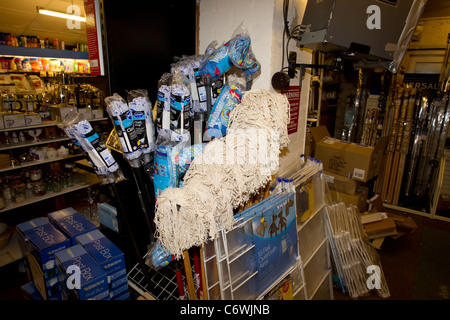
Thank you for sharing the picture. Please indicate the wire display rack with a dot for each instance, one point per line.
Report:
(163, 282)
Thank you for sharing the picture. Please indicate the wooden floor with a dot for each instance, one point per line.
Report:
(399, 259)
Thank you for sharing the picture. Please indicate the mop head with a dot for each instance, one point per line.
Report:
(225, 174)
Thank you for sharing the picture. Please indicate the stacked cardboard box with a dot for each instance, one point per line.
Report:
(379, 225)
(40, 240)
(347, 190)
(71, 223)
(88, 282)
(111, 259)
(53, 246)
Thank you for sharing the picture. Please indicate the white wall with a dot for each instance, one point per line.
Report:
(264, 21)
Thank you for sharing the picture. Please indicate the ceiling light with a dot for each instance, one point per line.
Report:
(60, 14)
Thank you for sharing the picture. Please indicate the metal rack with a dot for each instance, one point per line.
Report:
(163, 283)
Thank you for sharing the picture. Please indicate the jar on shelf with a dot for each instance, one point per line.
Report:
(39, 188)
(19, 189)
(35, 174)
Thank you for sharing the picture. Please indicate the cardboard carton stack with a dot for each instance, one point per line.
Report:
(53, 246)
(39, 241)
(347, 166)
(378, 225)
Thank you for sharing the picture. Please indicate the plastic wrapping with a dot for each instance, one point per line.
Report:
(180, 104)
(83, 135)
(163, 102)
(217, 124)
(166, 159)
(403, 42)
(158, 256)
(141, 109)
(122, 118)
(185, 158)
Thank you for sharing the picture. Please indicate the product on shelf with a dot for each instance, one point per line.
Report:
(92, 282)
(39, 242)
(71, 223)
(110, 258)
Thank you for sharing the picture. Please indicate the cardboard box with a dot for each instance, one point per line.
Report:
(86, 112)
(109, 257)
(97, 113)
(358, 199)
(14, 120)
(59, 112)
(345, 158)
(71, 223)
(32, 119)
(39, 241)
(341, 184)
(93, 284)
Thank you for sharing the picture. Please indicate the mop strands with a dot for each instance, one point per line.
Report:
(225, 174)
(355, 261)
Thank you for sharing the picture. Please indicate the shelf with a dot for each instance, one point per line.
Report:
(40, 162)
(42, 53)
(11, 252)
(46, 123)
(31, 144)
(93, 180)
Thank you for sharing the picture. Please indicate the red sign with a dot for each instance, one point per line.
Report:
(91, 8)
(293, 95)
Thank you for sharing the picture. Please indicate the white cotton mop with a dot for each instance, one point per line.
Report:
(225, 174)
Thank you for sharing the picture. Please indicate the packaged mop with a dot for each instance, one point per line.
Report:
(185, 158)
(217, 124)
(83, 135)
(166, 160)
(217, 63)
(239, 46)
(180, 104)
(158, 256)
(122, 119)
(163, 102)
(141, 108)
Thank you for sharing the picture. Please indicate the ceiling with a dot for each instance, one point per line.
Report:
(20, 17)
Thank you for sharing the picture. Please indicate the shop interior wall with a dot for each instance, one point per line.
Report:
(264, 21)
(143, 38)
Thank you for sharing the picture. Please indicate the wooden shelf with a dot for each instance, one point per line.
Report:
(42, 53)
(92, 180)
(31, 144)
(46, 123)
(39, 162)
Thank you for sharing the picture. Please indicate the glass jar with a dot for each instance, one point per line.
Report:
(19, 189)
(38, 188)
(56, 185)
(35, 174)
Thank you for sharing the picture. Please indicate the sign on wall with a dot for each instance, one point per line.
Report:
(94, 37)
(293, 95)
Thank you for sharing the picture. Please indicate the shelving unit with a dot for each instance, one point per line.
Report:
(313, 238)
(91, 180)
(42, 53)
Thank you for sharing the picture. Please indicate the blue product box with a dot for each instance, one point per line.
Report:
(117, 292)
(107, 216)
(40, 240)
(105, 253)
(93, 282)
(71, 223)
(43, 240)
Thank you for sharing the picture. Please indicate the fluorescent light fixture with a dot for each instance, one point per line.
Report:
(60, 14)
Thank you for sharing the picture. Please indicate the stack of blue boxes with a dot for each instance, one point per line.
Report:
(68, 242)
(89, 282)
(40, 240)
(111, 259)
